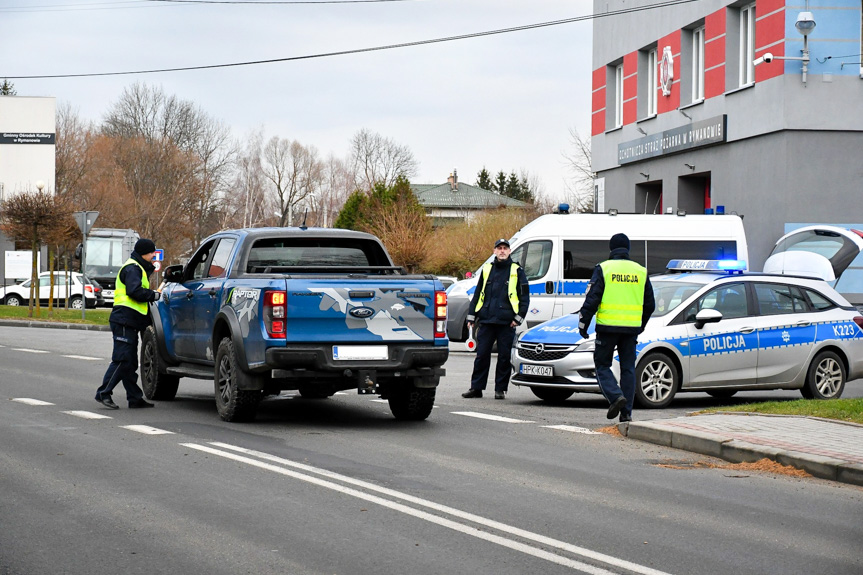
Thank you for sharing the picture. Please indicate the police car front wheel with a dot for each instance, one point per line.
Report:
(656, 381)
(825, 378)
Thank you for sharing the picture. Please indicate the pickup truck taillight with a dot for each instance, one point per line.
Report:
(88, 288)
(440, 314)
(275, 313)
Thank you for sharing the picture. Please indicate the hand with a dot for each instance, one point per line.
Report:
(583, 333)
(158, 296)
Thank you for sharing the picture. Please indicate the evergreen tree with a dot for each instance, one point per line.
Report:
(483, 180)
(350, 218)
(500, 182)
(7, 88)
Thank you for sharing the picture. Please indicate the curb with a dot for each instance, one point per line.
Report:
(737, 451)
(52, 325)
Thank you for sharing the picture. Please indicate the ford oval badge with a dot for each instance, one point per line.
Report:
(362, 312)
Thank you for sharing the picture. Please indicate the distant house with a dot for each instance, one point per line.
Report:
(455, 201)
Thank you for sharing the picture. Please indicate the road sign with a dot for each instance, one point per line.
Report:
(160, 255)
(86, 220)
(157, 264)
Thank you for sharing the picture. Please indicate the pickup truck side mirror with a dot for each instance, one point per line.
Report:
(706, 316)
(174, 273)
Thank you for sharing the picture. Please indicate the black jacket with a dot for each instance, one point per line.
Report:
(132, 278)
(594, 298)
(496, 308)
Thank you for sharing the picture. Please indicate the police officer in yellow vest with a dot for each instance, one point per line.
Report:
(128, 318)
(621, 297)
(499, 304)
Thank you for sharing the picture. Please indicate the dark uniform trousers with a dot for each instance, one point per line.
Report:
(489, 333)
(124, 364)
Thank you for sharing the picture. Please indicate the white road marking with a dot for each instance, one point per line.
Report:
(29, 350)
(573, 429)
(87, 415)
(85, 357)
(30, 401)
(490, 417)
(381, 400)
(467, 529)
(147, 430)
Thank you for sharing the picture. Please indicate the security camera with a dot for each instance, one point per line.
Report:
(766, 58)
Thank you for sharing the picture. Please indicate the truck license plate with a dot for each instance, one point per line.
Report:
(107, 293)
(540, 370)
(361, 352)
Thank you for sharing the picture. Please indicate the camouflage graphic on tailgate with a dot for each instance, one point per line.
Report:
(393, 314)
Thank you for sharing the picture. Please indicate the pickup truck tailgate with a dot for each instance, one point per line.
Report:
(361, 310)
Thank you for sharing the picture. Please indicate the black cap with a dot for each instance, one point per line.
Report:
(501, 242)
(618, 241)
(145, 246)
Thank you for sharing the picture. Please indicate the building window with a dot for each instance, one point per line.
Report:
(652, 67)
(698, 64)
(618, 96)
(747, 45)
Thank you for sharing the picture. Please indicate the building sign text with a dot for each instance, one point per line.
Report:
(694, 135)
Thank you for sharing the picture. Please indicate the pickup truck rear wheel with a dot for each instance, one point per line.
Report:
(412, 403)
(233, 404)
(157, 384)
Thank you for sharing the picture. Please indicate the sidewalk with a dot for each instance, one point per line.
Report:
(825, 448)
(51, 324)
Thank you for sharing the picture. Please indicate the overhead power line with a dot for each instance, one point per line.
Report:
(121, 4)
(363, 50)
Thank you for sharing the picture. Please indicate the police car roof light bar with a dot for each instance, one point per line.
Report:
(729, 266)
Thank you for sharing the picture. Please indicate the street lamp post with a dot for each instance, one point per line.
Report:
(805, 24)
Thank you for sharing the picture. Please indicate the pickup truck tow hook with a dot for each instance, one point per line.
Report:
(366, 385)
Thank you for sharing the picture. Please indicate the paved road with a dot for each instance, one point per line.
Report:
(339, 486)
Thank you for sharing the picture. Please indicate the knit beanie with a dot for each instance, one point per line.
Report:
(145, 246)
(618, 241)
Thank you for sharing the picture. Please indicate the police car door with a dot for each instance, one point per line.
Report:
(535, 258)
(725, 351)
(786, 332)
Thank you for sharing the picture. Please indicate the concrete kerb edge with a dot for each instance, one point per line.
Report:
(53, 325)
(786, 415)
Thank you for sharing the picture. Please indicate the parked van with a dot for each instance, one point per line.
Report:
(559, 251)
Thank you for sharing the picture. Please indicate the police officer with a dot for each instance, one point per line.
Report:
(499, 305)
(621, 297)
(128, 318)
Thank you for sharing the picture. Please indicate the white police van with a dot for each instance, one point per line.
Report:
(716, 330)
(559, 251)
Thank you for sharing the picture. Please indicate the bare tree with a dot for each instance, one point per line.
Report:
(72, 152)
(580, 187)
(294, 172)
(37, 217)
(336, 185)
(215, 154)
(375, 159)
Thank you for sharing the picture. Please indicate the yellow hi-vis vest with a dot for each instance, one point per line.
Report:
(120, 297)
(623, 298)
(512, 291)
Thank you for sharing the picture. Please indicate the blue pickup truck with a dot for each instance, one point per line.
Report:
(310, 309)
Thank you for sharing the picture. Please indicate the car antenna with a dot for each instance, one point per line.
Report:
(305, 215)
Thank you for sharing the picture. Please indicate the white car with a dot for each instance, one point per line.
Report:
(716, 331)
(83, 290)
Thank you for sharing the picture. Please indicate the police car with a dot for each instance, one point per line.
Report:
(716, 329)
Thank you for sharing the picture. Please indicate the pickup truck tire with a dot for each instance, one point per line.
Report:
(156, 384)
(232, 403)
(412, 403)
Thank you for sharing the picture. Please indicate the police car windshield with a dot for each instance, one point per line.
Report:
(670, 294)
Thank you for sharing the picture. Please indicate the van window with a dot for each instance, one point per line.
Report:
(659, 253)
(581, 256)
(534, 257)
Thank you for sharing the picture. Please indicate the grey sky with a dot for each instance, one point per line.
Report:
(505, 101)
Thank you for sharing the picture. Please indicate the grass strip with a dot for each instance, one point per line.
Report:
(839, 409)
(61, 315)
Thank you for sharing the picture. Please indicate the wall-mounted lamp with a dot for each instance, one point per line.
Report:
(646, 176)
(681, 213)
(684, 113)
(805, 24)
(643, 133)
(690, 166)
(612, 212)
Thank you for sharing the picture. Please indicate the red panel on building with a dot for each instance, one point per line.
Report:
(775, 68)
(630, 111)
(630, 87)
(714, 82)
(598, 99)
(770, 29)
(763, 7)
(597, 123)
(671, 102)
(714, 24)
